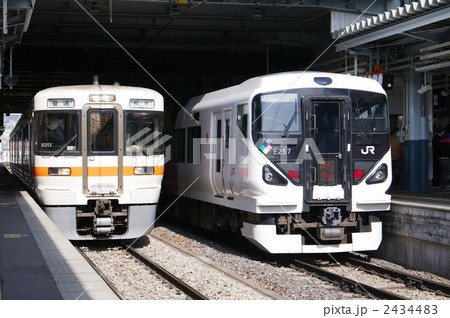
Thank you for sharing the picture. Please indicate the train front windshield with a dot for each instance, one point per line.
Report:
(57, 132)
(369, 112)
(277, 112)
(281, 112)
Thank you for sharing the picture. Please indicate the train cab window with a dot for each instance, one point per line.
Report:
(369, 112)
(242, 116)
(277, 112)
(57, 132)
(143, 131)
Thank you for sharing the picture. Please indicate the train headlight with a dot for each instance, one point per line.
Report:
(378, 176)
(59, 171)
(97, 98)
(143, 170)
(271, 177)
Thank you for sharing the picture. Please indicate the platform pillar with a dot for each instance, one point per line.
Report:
(416, 151)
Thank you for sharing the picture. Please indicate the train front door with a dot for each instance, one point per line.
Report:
(328, 169)
(221, 165)
(102, 150)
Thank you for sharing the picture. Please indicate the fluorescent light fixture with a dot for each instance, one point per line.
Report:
(424, 89)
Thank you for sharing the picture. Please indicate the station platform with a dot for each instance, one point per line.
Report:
(37, 262)
(433, 197)
(416, 230)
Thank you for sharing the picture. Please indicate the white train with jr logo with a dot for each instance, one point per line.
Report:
(296, 162)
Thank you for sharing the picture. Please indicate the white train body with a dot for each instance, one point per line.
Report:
(91, 155)
(294, 161)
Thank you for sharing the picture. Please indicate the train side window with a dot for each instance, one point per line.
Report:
(242, 116)
(227, 133)
(219, 146)
(193, 146)
(178, 145)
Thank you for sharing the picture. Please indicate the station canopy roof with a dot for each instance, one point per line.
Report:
(186, 42)
(414, 36)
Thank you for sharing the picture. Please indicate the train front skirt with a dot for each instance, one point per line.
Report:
(141, 220)
(264, 236)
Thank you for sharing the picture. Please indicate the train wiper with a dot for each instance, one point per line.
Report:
(60, 150)
(291, 121)
(362, 121)
(133, 142)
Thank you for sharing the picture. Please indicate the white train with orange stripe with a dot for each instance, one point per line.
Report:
(93, 157)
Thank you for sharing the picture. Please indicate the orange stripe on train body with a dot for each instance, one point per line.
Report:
(97, 171)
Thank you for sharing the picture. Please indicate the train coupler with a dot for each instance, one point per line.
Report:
(103, 225)
(103, 220)
(331, 216)
(330, 230)
(103, 207)
(330, 233)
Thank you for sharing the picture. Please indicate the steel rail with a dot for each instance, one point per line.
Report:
(229, 272)
(177, 282)
(350, 283)
(408, 280)
(101, 274)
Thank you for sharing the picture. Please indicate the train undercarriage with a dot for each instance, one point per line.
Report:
(102, 217)
(325, 225)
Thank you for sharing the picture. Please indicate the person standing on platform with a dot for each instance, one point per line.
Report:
(444, 157)
(435, 145)
(397, 157)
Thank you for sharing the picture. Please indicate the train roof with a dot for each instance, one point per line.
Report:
(281, 81)
(81, 94)
(73, 89)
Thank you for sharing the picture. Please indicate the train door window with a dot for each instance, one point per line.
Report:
(193, 146)
(219, 146)
(102, 131)
(327, 126)
(178, 145)
(242, 115)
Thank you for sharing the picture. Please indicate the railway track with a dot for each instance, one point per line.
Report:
(230, 273)
(200, 273)
(341, 271)
(343, 281)
(100, 273)
(173, 279)
(398, 276)
(156, 269)
(349, 279)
